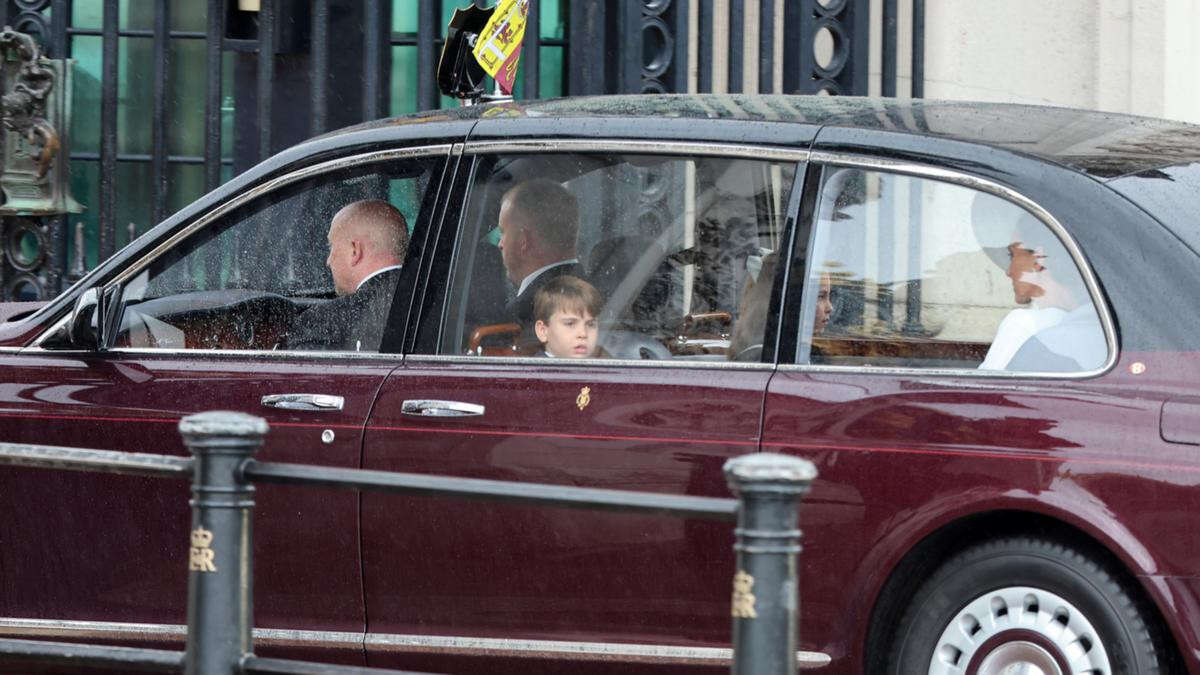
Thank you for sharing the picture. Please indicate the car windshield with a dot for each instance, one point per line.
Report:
(1171, 194)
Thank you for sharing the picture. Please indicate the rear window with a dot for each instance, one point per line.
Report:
(912, 272)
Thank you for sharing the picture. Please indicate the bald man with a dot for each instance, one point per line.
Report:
(368, 241)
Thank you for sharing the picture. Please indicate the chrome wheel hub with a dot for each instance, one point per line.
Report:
(1058, 633)
(1019, 658)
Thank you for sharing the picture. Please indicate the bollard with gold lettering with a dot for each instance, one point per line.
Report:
(220, 579)
(200, 556)
(765, 599)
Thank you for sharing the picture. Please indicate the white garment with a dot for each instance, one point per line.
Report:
(1078, 337)
(1018, 326)
(377, 272)
(534, 274)
(1075, 335)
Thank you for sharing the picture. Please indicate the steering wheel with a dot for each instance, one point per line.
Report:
(505, 332)
(690, 322)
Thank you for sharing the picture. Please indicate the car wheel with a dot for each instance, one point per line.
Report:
(1023, 605)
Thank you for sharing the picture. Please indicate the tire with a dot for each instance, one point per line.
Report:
(1025, 601)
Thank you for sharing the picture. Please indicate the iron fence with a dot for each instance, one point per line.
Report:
(764, 599)
(294, 68)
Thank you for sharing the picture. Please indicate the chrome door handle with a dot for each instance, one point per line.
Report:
(431, 408)
(303, 401)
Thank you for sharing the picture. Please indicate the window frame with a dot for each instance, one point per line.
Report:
(429, 332)
(820, 160)
(112, 287)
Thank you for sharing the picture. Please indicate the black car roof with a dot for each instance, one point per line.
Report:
(1104, 145)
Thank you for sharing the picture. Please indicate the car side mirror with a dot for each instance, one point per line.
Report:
(81, 329)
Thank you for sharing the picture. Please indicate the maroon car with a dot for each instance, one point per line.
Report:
(980, 322)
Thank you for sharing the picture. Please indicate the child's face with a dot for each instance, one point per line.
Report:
(568, 334)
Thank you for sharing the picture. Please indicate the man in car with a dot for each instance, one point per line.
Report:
(1056, 329)
(368, 240)
(539, 225)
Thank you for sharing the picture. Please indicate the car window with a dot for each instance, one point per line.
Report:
(913, 272)
(265, 276)
(644, 257)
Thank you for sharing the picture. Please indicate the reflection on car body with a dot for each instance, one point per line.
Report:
(1005, 447)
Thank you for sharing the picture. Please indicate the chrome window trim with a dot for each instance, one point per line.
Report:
(256, 353)
(273, 184)
(54, 328)
(277, 354)
(437, 644)
(11, 350)
(485, 361)
(761, 152)
(1004, 192)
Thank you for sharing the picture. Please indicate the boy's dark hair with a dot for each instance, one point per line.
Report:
(566, 293)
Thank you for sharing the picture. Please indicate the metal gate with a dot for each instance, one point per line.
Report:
(173, 97)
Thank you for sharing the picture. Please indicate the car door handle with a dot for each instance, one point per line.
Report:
(431, 408)
(304, 401)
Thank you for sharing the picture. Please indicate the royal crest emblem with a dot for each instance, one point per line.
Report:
(200, 556)
(742, 606)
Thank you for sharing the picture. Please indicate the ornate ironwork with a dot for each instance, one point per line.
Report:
(23, 110)
(30, 18)
(34, 94)
(660, 47)
(25, 244)
(29, 108)
(830, 56)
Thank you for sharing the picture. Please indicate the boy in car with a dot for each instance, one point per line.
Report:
(565, 310)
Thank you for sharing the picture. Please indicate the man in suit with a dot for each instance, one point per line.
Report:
(368, 241)
(539, 225)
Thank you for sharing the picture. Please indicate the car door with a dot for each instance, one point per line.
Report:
(903, 388)
(679, 242)
(202, 323)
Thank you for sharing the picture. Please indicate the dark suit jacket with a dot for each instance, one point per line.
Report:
(521, 307)
(351, 322)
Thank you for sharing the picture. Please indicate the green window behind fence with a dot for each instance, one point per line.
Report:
(186, 102)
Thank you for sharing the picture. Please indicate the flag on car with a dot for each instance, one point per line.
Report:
(499, 44)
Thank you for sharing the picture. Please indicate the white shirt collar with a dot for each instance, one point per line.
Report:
(377, 272)
(533, 275)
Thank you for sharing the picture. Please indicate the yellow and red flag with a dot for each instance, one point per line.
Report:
(499, 44)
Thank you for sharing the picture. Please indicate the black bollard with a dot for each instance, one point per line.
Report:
(765, 598)
(220, 562)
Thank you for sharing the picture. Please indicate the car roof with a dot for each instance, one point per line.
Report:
(1100, 144)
